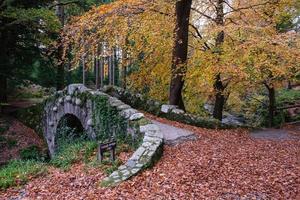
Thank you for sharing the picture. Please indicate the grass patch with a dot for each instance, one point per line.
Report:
(18, 172)
(32, 153)
(71, 153)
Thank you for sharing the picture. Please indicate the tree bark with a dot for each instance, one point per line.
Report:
(218, 85)
(220, 98)
(180, 50)
(3, 89)
(272, 104)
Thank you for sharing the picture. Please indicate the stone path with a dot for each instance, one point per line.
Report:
(273, 134)
(173, 135)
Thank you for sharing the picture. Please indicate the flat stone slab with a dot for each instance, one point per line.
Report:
(272, 134)
(173, 135)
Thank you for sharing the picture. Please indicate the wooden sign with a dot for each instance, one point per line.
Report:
(109, 146)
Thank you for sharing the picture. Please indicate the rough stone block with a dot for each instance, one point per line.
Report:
(127, 113)
(157, 134)
(136, 116)
(167, 108)
(149, 127)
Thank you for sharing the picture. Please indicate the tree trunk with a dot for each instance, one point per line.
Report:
(60, 76)
(218, 85)
(180, 50)
(272, 104)
(3, 89)
(220, 98)
(83, 70)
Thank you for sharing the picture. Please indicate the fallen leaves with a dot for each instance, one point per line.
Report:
(222, 164)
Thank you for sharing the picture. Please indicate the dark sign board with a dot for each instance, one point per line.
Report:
(109, 146)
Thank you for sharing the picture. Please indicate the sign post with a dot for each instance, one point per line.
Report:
(109, 146)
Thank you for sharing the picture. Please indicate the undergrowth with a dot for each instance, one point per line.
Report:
(18, 172)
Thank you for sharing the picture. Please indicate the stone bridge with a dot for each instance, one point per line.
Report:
(103, 116)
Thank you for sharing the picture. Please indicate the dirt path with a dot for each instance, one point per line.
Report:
(288, 132)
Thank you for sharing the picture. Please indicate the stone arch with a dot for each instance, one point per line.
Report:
(62, 104)
(72, 122)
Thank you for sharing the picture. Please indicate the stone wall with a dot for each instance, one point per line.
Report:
(157, 108)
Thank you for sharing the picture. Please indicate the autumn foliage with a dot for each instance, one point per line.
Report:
(258, 51)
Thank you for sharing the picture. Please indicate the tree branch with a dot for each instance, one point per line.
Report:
(244, 8)
(199, 35)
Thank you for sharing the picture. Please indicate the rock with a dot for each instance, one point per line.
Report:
(51, 123)
(209, 108)
(232, 120)
(122, 167)
(136, 116)
(68, 98)
(90, 122)
(167, 108)
(149, 127)
(125, 173)
(177, 111)
(123, 107)
(130, 163)
(76, 87)
(78, 102)
(135, 170)
(54, 109)
(137, 154)
(61, 100)
(152, 140)
(157, 134)
(128, 112)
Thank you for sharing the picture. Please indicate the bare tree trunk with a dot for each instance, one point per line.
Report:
(218, 85)
(272, 104)
(180, 50)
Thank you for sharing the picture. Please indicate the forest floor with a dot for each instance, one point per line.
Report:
(15, 138)
(220, 164)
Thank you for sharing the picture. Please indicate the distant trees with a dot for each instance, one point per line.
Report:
(27, 29)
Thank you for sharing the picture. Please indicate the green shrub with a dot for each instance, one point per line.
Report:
(286, 96)
(18, 172)
(32, 153)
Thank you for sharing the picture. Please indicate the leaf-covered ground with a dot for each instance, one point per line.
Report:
(20, 137)
(222, 164)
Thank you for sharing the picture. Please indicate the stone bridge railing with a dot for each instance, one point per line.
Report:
(103, 116)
